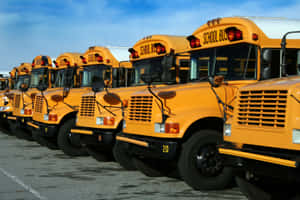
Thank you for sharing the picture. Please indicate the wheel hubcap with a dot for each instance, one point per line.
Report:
(208, 161)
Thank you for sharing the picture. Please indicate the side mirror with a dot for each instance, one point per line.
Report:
(112, 98)
(168, 61)
(266, 73)
(66, 92)
(42, 87)
(216, 81)
(267, 55)
(97, 84)
(24, 87)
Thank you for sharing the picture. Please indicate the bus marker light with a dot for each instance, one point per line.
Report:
(53, 117)
(28, 111)
(254, 36)
(172, 127)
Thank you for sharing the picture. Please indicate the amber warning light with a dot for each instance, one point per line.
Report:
(83, 59)
(160, 49)
(234, 34)
(134, 53)
(194, 42)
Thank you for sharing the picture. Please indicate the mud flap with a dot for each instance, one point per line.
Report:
(251, 191)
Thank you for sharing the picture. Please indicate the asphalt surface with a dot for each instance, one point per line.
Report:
(31, 172)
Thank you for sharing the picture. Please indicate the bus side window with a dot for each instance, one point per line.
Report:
(184, 68)
(292, 61)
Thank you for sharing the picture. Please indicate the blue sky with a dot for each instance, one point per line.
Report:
(32, 27)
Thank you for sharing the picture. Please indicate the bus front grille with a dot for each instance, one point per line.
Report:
(87, 106)
(262, 108)
(140, 108)
(38, 104)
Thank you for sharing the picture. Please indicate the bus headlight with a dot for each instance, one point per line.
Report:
(124, 124)
(22, 112)
(46, 117)
(159, 128)
(99, 120)
(227, 130)
(296, 136)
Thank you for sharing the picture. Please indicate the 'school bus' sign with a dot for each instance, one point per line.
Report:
(214, 36)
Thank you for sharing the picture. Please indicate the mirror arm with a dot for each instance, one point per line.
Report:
(164, 117)
(225, 106)
(118, 99)
(98, 103)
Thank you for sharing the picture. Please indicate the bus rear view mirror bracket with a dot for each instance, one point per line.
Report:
(216, 81)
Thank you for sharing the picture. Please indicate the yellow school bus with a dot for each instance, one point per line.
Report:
(18, 76)
(41, 74)
(52, 123)
(58, 100)
(181, 125)
(100, 117)
(262, 137)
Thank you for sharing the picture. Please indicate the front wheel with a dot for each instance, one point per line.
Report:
(100, 154)
(70, 143)
(200, 164)
(122, 156)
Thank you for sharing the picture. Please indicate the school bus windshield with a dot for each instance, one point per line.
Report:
(3, 84)
(20, 80)
(95, 72)
(61, 77)
(152, 66)
(234, 62)
(38, 76)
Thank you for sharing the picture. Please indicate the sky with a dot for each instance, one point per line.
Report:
(51, 27)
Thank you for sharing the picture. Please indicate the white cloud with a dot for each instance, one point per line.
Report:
(92, 22)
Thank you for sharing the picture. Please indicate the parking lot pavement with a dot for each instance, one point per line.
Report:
(31, 172)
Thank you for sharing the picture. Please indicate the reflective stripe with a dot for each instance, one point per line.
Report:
(78, 131)
(252, 156)
(133, 141)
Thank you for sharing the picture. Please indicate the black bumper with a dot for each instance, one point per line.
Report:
(99, 137)
(46, 130)
(21, 122)
(4, 115)
(157, 148)
(262, 169)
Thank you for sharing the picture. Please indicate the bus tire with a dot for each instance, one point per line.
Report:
(123, 157)
(97, 154)
(22, 134)
(200, 164)
(37, 137)
(64, 141)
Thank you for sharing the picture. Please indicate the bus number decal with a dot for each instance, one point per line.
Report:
(147, 49)
(214, 36)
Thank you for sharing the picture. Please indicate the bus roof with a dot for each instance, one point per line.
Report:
(275, 28)
(105, 55)
(147, 47)
(68, 59)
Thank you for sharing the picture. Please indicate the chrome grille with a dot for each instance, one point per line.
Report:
(263, 108)
(140, 108)
(38, 104)
(17, 101)
(87, 106)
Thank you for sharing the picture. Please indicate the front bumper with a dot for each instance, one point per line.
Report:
(94, 136)
(45, 130)
(156, 148)
(4, 115)
(282, 159)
